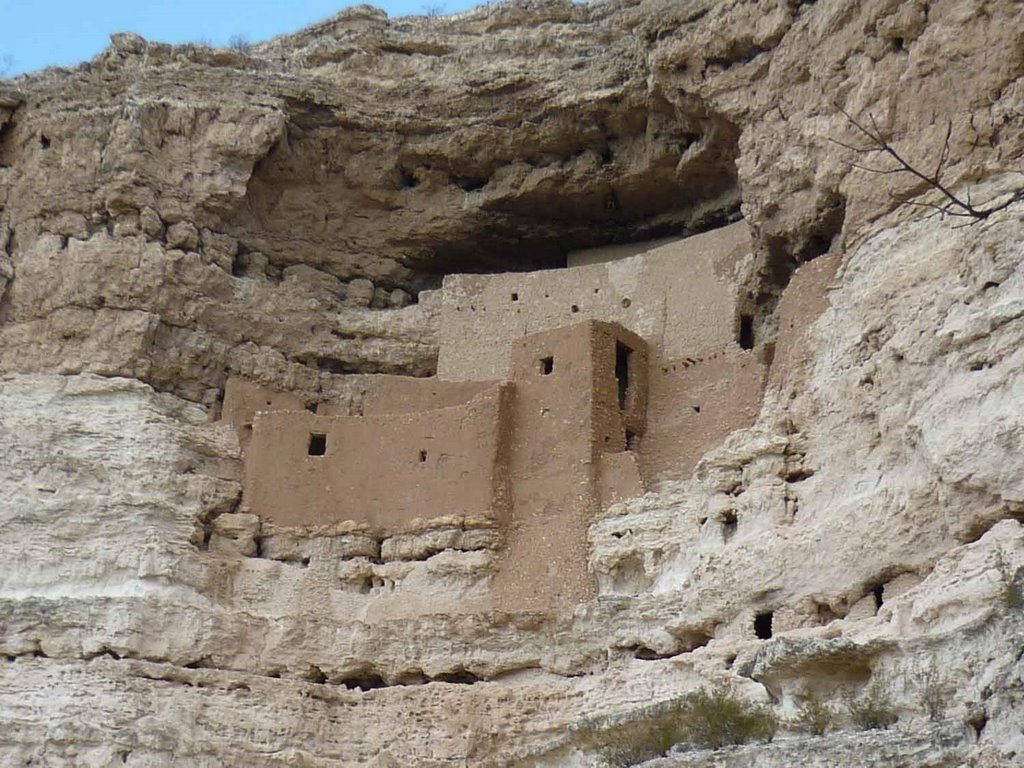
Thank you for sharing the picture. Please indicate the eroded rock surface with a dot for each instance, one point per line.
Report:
(170, 216)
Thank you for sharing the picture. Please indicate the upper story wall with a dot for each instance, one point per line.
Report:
(406, 394)
(384, 470)
(678, 297)
(244, 398)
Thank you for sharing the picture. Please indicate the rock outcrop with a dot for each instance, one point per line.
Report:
(174, 215)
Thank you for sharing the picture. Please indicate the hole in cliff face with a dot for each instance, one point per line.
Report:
(364, 680)
(458, 676)
(878, 593)
(763, 625)
(730, 524)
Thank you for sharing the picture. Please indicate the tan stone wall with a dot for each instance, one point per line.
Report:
(693, 406)
(405, 394)
(677, 297)
(384, 470)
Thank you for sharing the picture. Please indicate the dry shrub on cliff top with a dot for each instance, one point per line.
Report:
(708, 719)
(816, 715)
(873, 709)
(717, 718)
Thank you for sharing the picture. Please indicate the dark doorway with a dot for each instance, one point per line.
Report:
(746, 331)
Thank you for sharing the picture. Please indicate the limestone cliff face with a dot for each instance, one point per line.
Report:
(170, 216)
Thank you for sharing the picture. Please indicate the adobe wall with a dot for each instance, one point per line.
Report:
(243, 398)
(405, 394)
(562, 422)
(678, 297)
(384, 470)
(803, 301)
(693, 406)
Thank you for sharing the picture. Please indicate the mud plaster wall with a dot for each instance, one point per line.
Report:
(557, 439)
(243, 399)
(382, 470)
(692, 407)
(678, 297)
(405, 394)
(803, 301)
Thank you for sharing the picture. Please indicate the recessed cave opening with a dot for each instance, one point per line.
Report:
(609, 172)
(878, 593)
(729, 524)
(546, 366)
(366, 682)
(763, 625)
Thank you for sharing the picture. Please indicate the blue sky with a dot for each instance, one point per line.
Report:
(36, 34)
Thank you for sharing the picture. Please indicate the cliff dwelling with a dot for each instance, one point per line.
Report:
(558, 393)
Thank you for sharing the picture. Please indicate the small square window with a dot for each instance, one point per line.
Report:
(515, 297)
(547, 366)
(317, 444)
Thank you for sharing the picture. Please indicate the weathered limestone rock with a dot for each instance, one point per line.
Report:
(170, 216)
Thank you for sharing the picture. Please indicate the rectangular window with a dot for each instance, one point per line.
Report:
(622, 365)
(317, 444)
(547, 366)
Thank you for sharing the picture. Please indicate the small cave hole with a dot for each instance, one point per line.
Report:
(631, 440)
(546, 366)
(626, 303)
(643, 653)
(746, 335)
(423, 457)
(878, 592)
(367, 682)
(315, 675)
(515, 296)
(729, 524)
(978, 721)
(457, 676)
(44, 141)
(763, 625)
(317, 444)
(696, 408)
(574, 309)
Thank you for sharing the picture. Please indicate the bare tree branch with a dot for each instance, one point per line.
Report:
(954, 206)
